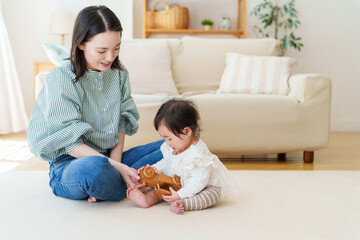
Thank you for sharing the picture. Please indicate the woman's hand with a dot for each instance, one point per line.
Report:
(173, 197)
(129, 174)
(147, 165)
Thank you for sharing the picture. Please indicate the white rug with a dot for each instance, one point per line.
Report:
(286, 205)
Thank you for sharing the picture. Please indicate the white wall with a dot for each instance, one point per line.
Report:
(331, 35)
(329, 29)
(28, 25)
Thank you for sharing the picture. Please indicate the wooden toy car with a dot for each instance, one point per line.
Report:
(160, 182)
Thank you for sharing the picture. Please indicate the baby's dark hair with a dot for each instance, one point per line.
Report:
(176, 114)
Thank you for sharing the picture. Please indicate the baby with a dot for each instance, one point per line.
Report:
(204, 178)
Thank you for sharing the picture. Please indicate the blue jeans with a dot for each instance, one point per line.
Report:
(79, 178)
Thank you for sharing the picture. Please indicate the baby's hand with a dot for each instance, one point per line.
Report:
(173, 197)
(156, 171)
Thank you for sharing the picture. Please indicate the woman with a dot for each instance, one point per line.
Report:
(82, 114)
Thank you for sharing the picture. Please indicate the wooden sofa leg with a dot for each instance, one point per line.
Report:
(308, 156)
(281, 156)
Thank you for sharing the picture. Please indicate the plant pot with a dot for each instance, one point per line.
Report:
(207, 27)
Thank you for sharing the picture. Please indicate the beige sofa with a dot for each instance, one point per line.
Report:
(240, 124)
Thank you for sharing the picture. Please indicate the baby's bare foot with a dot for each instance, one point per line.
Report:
(177, 207)
(92, 199)
(143, 200)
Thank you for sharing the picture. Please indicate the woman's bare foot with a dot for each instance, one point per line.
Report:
(143, 200)
(92, 199)
(177, 207)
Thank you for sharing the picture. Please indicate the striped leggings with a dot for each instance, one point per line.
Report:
(208, 197)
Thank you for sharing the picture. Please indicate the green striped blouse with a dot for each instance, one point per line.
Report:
(92, 111)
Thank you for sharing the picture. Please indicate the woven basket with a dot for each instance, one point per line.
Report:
(173, 17)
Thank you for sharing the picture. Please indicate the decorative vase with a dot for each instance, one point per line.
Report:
(225, 22)
(207, 27)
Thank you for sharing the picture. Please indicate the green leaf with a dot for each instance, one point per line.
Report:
(285, 45)
(292, 44)
(270, 21)
(284, 42)
(290, 23)
(285, 9)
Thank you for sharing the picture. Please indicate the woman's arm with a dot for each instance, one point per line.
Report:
(83, 150)
(56, 125)
(129, 114)
(116, 152)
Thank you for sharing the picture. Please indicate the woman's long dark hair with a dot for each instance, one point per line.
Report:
(90, 22)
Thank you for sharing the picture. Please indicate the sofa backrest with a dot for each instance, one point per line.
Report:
(197, 64)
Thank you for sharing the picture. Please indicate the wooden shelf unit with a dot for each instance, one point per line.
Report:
(239, 32)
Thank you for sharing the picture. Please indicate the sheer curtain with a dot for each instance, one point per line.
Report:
(13, 117)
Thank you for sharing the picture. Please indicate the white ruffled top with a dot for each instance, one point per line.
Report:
(198, 168)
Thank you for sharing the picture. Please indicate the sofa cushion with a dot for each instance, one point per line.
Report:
(253, 74)
(149, 66)
(57, 53)
(222, 115)
(200, 62)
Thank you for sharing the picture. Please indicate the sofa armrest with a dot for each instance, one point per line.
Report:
(310, 87)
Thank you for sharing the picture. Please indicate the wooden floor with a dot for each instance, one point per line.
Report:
(343, 153)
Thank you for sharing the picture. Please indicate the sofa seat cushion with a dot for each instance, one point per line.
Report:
(147, 106)
(142, 100)
(259, 120)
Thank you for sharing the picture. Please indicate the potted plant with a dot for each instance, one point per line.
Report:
(207, 23)
(281, 19)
